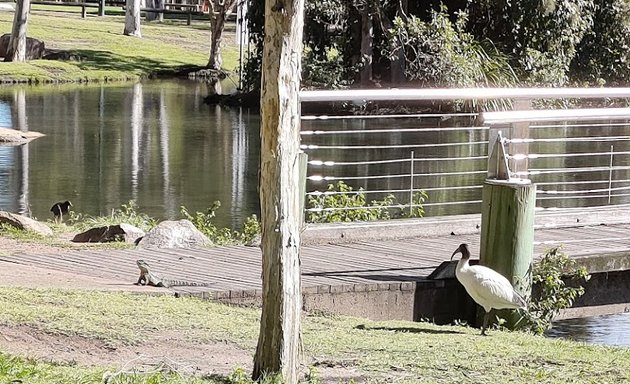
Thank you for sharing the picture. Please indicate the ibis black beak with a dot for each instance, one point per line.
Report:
(455, 253)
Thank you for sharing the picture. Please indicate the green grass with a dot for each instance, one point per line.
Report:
(106, 54)
(404, 352)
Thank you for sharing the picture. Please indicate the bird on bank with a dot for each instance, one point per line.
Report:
(60, 209)
(487, 287)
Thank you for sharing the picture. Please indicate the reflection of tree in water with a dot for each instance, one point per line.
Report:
(155, 142)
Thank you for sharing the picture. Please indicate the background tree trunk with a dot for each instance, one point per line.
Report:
(367, 50)
(219, 12)
(17, 43)
(132, 18)
(279, 348)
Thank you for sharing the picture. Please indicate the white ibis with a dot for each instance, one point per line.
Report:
(60, 209)
(487, 287)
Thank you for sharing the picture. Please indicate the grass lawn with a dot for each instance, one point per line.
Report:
(394, 351)
(106, 54)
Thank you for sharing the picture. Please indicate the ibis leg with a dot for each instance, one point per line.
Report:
(485, 323)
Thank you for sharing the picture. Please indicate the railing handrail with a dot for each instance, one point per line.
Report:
(580, 114)
(461, 94)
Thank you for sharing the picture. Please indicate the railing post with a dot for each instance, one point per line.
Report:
(101, 7)
(411, 186)
(303, 158)
(507, 229)
(520, 130)
(610, 173)
(83, 11)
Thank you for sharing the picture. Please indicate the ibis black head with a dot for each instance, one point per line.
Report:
(463, 249)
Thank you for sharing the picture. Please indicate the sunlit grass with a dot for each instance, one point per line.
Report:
(400, 351)
(106, 54)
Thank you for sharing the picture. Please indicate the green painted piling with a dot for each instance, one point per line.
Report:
(507, 234)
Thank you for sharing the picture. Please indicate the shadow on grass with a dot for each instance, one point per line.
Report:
(363, 327)
(107, 61)
(219, 379)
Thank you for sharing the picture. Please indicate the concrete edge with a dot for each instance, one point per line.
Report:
(456, 224)
(605, 262)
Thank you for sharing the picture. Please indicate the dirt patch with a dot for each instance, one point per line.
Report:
(160, 352)
(166, 351)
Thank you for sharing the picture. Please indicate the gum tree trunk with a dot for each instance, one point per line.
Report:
(219, 12)
(17, 43)
(278, 351)
(132, 18)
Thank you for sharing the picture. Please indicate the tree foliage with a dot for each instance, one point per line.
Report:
(604, 53)
(541, 35)
(441, 53)
(471, 43)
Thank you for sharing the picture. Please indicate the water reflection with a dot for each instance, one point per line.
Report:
(607, 330)
(155, 143)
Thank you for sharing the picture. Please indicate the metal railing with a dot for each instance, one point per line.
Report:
(577, 157)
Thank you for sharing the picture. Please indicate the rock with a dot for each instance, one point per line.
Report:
(120, 232)
(24, 223)
(15, 137)
(174, 234)
(35, 49)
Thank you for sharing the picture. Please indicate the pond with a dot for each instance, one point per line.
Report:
(605, 330)
(158, 144)
(155, 143)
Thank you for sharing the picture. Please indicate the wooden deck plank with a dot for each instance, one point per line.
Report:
(239, 267)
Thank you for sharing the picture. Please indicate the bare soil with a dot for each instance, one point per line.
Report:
(164, 350)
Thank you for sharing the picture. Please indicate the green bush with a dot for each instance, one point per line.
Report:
(603, 55)
(541, 36)
(549, 277)
(441, 53)
(222, 236)
(340, 203)
(127, 213)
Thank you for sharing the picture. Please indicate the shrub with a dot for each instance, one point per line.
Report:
(541, 36)
(442, 53)
(549, 277)
(222, 236)
(127, 213)
(603, 55)
(340, 203)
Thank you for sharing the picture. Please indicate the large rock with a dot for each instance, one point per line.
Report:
(15, 137)
(120, 232)
(174, 234)
(35, 49)
(24, 223)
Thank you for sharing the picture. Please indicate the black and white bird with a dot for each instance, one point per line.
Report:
(487, 287)
(60, 209)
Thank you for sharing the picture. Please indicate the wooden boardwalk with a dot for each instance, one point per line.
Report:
(366, 262)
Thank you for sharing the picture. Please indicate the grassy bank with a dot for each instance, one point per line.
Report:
(404, 352)
(105, 53)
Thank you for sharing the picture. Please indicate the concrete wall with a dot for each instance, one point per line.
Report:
(439, 301)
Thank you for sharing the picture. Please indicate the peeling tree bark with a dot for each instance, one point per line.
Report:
(17, 43)
(278, 350)
(132, 18)
(220, 10)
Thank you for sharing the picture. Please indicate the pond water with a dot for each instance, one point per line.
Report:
(158, 144)
(605, 330)
(155, 143)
